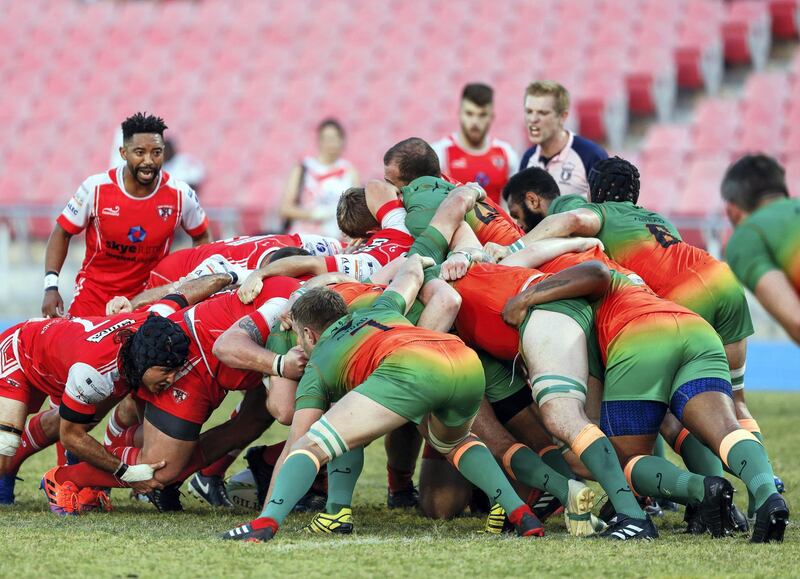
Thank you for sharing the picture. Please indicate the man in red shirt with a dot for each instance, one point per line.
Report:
(470, 155)
(130, 215)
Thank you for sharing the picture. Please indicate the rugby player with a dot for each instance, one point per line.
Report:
(130, 215)
(470, 155)
(764, 250)
(382, 372)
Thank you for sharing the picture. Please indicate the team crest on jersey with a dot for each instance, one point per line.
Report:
(165, 211)
(137, 234)
(498, 161)
(566, 171)
(179, 395)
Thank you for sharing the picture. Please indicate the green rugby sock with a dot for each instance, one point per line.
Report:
(554, 458)
(527, 467)
(294, 480)
(478, 466)
(748, 460)
(697, 457)
(654, 476)
(343, 473)
(601, 460)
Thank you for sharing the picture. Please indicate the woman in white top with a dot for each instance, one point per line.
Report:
(315, 184)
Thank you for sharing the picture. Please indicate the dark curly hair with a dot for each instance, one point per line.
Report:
(142, 123)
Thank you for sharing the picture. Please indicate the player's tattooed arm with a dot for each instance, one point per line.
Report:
(589, 280)
(249, 326)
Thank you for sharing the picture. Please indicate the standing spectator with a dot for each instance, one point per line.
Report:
(565, 155)
(315, 184)
(470, 155)
(130, 214)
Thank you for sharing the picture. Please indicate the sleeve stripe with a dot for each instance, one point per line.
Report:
(386, 208)
(68, 226)
(199, 229)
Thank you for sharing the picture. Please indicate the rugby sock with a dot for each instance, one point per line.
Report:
(33, 440)
(398, 480)
(294, 480)
(525, 466)
(554, 458)
(476, 463)
(653, 476)
(747, 459)
(751, 426)
(697, 457)
(84, 474)
(124, 438)
(218, 467)
(343, 473)
(596, 452)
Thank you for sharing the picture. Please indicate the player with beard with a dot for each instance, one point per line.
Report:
(130, 215)
(470, 155)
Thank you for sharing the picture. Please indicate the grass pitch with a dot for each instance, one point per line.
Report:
(135, 541)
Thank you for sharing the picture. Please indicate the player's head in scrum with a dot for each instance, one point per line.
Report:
(410, 159)
(529, 194)
(614, 179)
(353, 215)
(313, 312)
(476, 113)
(749, 182)
(152, 356)
(143, 146)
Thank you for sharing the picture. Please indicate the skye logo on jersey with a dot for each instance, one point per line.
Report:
(165, 211)
(137, 234)
(179, 395)
(482, 179)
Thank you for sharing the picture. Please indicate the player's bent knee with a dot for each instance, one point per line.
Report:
(325, 437)
(442, 446)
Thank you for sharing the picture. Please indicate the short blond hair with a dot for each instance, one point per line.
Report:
(550, 88)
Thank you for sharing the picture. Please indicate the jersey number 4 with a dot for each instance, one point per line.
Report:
(662, 235)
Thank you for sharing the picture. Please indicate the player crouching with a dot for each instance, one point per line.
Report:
(382, 372)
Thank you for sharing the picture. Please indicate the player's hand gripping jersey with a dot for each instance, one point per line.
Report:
(487, 219)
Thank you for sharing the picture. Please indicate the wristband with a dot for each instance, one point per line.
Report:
(464, 253)
(277, 365)
(51, 280)
(516, 246)
(121, 470)
(234, 277)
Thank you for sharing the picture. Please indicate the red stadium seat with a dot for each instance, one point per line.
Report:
(785, 18)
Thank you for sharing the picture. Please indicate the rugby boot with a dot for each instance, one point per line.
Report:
(312, 502)
(623, 528)
(771, 520)
(497, 522)
(210, 489)
(262, 472)
(528, 525)
(7, 483)
(403, 499)
(168, 499)
(340, 523)
(578, 514)
(738, 520)
(546, 505)
(62, 498)
(779, 484)
(694, 522)
(715, 508)
(258, 530)
(93, 499)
